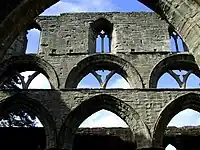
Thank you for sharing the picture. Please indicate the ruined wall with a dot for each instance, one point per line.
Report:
(71, 32)
(140, 53)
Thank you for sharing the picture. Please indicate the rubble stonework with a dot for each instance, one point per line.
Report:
(140, 52)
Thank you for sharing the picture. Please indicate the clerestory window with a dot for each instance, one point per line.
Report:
(100, 36)
(103, 44)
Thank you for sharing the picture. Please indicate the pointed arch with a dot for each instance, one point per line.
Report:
(16, 101)
(100, 36)
(94, 104)
(190, 100)
(106, 62)
(177, 42)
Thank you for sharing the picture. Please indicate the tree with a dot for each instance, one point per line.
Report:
(20, 117)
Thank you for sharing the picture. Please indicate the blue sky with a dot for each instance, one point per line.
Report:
(105, 118)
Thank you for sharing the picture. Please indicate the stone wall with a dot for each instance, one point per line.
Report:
(132, 32)
(140, 53)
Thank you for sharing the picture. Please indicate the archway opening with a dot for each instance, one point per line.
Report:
(170, 147)
(33, 37)
(182, 129)
(179, 79)
(104, 129)
(103, 118)
(27, 80)
(187, 117)
(104, 79)
(21, 129)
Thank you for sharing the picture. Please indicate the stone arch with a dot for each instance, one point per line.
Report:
(104, 61)
(20, 15)
(34, 24)
(96, 103)
(100, 33)
(175, 106)
(182, 15)
(15, 101)
(102, 24)
(25, 62)
(173, 62)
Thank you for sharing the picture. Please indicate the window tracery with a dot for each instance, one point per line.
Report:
(182, 78)
(23, 80)
(103, 42)
(103, 77)
(101, 36)
(177, 43)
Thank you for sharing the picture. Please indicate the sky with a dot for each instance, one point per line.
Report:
(105, 118)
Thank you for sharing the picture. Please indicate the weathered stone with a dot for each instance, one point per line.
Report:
(139, 52)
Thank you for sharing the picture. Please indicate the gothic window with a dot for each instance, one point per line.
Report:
(103, 79)
(27, 80)
(179, 79)
(33, 38)
(176, 42)
(103, 43)
(100, 36)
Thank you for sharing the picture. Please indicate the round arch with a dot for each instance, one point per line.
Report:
(102, 24)
(27, 63)
(106, 62)
(191, 100)
(21, 101)
(173, 62)
(94, 104)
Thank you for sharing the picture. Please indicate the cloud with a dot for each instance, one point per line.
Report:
(103, 118)
(33, 37)
(119, 83)
(80, 6)
(187, 117)
(39, 82)
(115, 82)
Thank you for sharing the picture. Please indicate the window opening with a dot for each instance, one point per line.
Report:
(20, 125)
(27, 80)
(179, 79)
(33, 36)
(176, 42)
(103, 42)
(103, 118)
(103, 79)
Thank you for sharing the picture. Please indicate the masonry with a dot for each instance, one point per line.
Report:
(139, 51)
